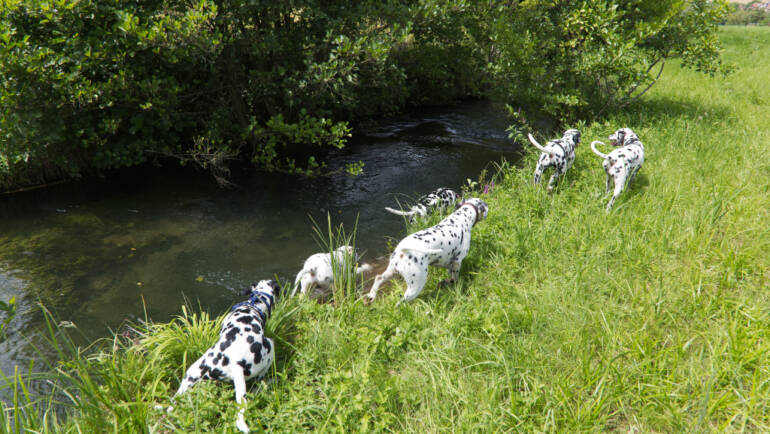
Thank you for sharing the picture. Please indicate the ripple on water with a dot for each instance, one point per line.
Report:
(146, 240)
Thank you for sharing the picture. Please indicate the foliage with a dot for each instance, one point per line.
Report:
(87, 86)
(653, 318)
(583, 59)
(743, 16)
(8, 308)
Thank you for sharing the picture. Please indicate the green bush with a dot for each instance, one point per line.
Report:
(577, 60)
(744, 17)
(87, 86)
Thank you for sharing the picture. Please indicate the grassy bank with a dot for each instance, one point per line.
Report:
(653, 318)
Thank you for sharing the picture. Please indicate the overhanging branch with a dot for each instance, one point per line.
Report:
(662, 61)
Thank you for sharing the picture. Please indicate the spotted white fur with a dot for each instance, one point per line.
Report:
(318, 270)
(242, 351)
(439, 199)
(558, 154)
(444, 245)
(621, 164)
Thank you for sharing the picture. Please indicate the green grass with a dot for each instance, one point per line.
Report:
(653, 318)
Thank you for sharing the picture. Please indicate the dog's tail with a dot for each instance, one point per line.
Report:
(593, 148)
(297, 281)
(419, 249)
(534, 142)
(399, 212)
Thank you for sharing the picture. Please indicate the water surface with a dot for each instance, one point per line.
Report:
(99, 252)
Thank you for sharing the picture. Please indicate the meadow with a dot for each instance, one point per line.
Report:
(652, 318)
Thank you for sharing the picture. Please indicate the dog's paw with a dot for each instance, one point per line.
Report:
(241, 425)
(446, 282)
(168, 409)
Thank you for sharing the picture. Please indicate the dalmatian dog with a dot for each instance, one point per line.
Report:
(559, 154)
(440, 199)
(621, 164)
(444, 245)
(318, 270)
(242, 351)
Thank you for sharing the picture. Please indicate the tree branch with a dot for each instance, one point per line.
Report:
(662, 61)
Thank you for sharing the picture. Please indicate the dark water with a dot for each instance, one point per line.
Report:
(100, 252)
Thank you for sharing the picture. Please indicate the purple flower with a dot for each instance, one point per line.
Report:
(488, 187)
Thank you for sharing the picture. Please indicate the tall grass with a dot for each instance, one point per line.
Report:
(330, 239)
(652, 318)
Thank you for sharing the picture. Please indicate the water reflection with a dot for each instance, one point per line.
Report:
(99, 252)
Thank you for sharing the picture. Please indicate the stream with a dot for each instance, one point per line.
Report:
(99, 252)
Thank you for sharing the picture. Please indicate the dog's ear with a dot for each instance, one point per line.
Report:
(276, 288)
(248, 290)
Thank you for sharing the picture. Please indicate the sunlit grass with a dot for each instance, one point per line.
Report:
(652, 318)
(330, 239)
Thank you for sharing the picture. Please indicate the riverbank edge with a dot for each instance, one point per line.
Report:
(651, 318)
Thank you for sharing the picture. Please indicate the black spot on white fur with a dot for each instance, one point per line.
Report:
(444, 245)
(252, 351)
(558, 154)
(622, 164)
(439, 199)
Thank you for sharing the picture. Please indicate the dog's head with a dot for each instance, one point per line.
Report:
(346, 250)
(350, 251)
(572, 135)
(621, 136)
(479, 205)
(264, 286)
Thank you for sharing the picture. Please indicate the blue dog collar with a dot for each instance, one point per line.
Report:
(255, 298)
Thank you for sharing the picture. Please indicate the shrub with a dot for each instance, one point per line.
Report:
(87, 86)
(576, 60)
(740, 16)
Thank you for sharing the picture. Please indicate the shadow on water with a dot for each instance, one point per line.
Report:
(97, 252)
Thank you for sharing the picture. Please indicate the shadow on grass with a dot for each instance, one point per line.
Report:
(637, 187)
(658, 109)
(640, 184)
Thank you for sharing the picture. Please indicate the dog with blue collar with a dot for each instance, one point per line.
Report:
(242, 351)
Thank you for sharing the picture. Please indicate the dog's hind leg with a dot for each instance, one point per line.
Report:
(633, 175)
(414, 285)
(538, 173)
(188, 381)
(297, 281)
(308, 282)
(240, 397)
(618, 189)
(186, 384)
(386, 275)
(552, 181)
(190, 377)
